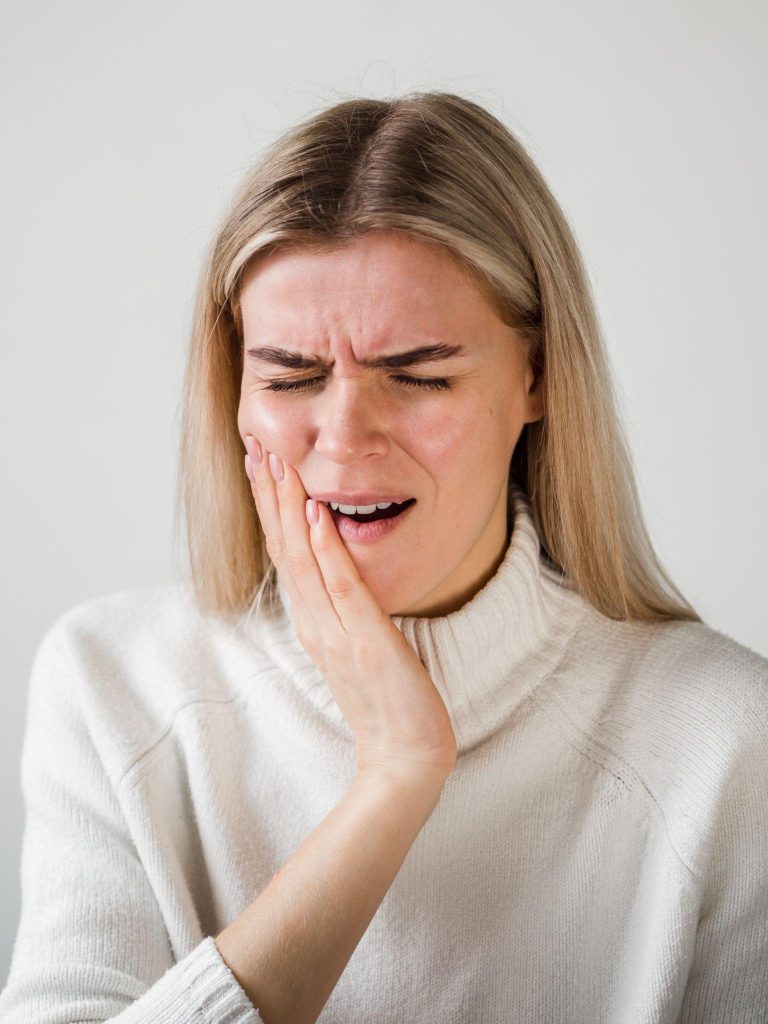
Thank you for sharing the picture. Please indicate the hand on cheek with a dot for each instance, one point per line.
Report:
(396, 713)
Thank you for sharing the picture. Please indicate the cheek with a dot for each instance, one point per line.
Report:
(266, 421)
(439, 438)
(454, 439)
(459, 441)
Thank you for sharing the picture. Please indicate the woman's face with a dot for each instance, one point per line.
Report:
(353, 428)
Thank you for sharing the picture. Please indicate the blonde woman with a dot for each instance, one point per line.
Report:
(430, 735)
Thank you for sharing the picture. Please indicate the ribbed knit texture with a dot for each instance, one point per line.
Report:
(598, 854)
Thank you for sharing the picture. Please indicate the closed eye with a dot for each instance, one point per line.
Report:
(436, 383)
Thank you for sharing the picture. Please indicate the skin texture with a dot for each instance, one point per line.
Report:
(357, 428)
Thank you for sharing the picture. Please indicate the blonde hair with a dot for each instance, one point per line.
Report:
(444, 170)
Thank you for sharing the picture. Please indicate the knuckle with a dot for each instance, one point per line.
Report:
(297, 563)
(335, 651)
(339, 587)
(275, 549)
(304, 635)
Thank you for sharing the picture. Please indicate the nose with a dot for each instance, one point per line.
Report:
(350, 421)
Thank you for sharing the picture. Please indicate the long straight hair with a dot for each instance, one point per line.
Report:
(440, 168)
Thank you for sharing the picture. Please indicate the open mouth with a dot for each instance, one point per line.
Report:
(369, 517)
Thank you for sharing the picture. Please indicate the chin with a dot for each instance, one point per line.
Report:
(391, 598)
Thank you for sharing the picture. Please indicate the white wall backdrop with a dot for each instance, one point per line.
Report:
(125, 128)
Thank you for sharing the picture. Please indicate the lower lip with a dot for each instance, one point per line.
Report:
(367, 533)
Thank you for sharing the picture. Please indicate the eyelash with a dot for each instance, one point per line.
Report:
(434, 383)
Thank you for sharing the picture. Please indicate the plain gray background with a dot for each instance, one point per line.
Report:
(125, 129)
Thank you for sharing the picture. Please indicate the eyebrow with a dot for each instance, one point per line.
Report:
(397, 360)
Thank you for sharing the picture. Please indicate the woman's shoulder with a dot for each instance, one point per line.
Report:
(128, 661)
(676, 711)
(704, 666)
(664, 694)
(108, 615)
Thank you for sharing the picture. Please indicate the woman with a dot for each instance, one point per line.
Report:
(476, 758)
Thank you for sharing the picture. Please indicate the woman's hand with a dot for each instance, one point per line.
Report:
(396, 714)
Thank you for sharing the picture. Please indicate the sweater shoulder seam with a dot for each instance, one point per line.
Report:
(134, 766)
(614, 764)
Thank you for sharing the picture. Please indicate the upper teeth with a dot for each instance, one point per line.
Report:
(352, 510)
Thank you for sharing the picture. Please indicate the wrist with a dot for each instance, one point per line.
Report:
(405, 781)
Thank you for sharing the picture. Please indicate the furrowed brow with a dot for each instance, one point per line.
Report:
(398, 360)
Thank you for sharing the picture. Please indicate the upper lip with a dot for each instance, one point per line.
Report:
(359, 497)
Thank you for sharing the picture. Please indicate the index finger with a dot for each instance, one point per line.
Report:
(317, 562)
(358, 610)
(304, 577)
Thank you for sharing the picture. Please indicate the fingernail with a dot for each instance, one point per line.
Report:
(249, 467)
(313, 512)
(254, 449)
(276, 466)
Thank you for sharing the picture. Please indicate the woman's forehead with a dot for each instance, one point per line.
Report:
(371, 286)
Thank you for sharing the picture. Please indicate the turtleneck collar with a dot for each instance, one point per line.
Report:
(485, 657)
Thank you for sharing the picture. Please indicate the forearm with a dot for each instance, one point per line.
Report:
(290, 946)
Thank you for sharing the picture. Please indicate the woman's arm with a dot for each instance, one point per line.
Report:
(728, 977)
(92, 942)
(290, 946)
(293, 942)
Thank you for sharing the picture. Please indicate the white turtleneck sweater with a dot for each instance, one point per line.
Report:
(598, 854)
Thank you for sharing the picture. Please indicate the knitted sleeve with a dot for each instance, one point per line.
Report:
(91, 943)
(728, 979)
